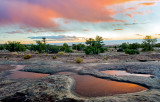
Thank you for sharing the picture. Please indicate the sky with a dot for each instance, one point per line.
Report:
(76, 20)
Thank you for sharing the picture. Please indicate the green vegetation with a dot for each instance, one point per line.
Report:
(66, 48)
(54, 57)
(52, 49)
(129, 48)
(14, 46)
(27, 56)
(131, 51)
(148, 43)
(78, 60)
(40, 47)
(36, 52)
(79, 47)
(105, 58)
(94, 46)
(2, 47)
(62, 53)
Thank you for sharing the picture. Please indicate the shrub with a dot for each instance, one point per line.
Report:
(120, 50)
(27, 56)
(36, 52)
(94, 46)
(54, 57)
(15, 46)
(62, 53)
(78, 60)
(46, 54)
(5, 56)
(131, 51)
(89, 50)
(105, 58)
(2, 47)
(79, 47)
(148, 43)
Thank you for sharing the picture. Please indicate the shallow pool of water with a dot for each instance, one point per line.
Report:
(122, 73)
(89, 86)
(16, 74)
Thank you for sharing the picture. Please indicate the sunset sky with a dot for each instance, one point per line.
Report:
(75, 20)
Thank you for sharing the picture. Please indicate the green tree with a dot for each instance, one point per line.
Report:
(90, 42)
(66, 48)
(41, 47)
(79, 47)
(124, 46)
(148, 43)
(95, 46)
(44, 40)
(52, 49)
(14, 46)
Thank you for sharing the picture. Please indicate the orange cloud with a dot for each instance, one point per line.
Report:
(138, 13)
(25, 13)
(40, 13)
(130, 15)
(147, 4)
(85, 30)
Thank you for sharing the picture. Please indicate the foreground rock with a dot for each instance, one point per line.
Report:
(57, 88)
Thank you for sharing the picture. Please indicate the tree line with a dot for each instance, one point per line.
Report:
(91, 46)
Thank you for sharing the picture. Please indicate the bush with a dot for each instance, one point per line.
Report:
(15, 46)
(120, 50)
(52, 49)
(131, 51)
(78, 60)
(79, 47)
(148, 43)
(54, 57)
(36, 52)
(27, 56)
(65, 48)
(105, 58)
(2, 47)
(89, 50)
(62, 53)
(94, 46)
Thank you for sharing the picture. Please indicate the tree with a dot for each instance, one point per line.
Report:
(52, 49)
(90, 41)
(95, 46)
(148, 43)
(13, 46)
(124, 46)
(44, 40)
(79, 47)
(66, 48)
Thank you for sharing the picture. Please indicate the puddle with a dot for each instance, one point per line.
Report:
(122, 73)
(89, 86)
(16, 74)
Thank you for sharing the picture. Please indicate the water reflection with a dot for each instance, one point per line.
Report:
(117, 72)
(89, 86)
(16, 74)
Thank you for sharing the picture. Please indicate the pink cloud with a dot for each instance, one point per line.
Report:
(40, 13)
